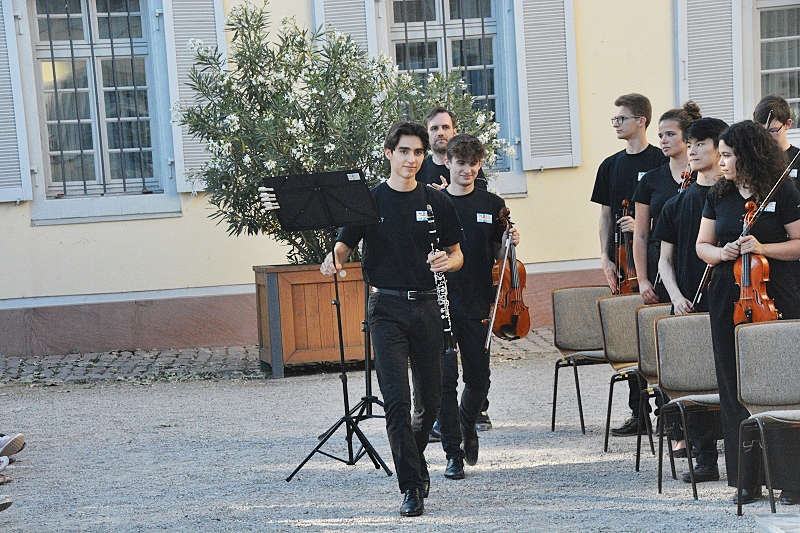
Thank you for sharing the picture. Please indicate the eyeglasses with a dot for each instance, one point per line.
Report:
(775, 131)
(616, 121)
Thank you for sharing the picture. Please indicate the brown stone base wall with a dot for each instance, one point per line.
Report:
(189, 322)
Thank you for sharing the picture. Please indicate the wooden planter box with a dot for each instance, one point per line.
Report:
(296, 320)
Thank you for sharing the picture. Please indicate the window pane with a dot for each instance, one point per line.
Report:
(780, 54)
(786, 84)
(73, 137)
(127, 106)
(61, 29)
(119, 27)
(474, 52)
(128, 137)
(64, 74)
(132, 165)
(67, 102)
(72, 167)
(418, 58)
(121, 73)
(780, 23)
(117, 6)
(480, 83)
(414, 10)
(473, 9)
(58, 7)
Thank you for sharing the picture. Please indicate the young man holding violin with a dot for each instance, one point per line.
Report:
(471, 295)
(617, 178)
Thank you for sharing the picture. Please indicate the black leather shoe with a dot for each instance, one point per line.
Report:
(749, 495)
(470, 438)
(702, 473)
(435, 435)
(455, 468)
(789, 497)
(426, 479)
(482, 422)
(413, 503)
(629, 428)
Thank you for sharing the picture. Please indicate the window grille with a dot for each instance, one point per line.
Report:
(447, 36)
(93, 63)
(780, 55)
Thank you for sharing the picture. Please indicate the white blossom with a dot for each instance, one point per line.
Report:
(195, 45)
(330, 147)
(232, 122)
(480, 119)
(348, 95)
(176, 111)
(246, 159)
(270, 164)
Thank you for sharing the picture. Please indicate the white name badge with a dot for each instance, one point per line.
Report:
(422, 216)
(485, 217)
(641, 175)
(793, 173)
(770, 207)
(353, 176)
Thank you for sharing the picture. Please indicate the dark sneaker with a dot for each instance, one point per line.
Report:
(455, 468)
(748, 495)
(413, 503)
(629, 428)
(702, 473)
(435, 434)
(789, 497)
(482, 422)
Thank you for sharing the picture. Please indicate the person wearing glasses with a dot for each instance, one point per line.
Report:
(617, 178)
(655, 188)
(774, 113)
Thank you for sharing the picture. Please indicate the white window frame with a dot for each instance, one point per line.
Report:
(512, 183)
(72, 210)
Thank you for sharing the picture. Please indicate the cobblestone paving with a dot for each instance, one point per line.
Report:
(232, 362)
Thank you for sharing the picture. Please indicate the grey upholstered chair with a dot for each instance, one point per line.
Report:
(768, 377)
(686, 373)
(646, 316)
(618, 323)
(577, 335)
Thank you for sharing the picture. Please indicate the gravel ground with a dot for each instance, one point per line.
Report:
(213, 455)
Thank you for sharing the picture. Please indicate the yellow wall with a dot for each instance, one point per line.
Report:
(622, 46)
(557, 220)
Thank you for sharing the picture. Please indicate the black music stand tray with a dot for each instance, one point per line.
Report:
(320, 201)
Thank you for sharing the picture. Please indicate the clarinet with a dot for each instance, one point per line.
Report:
(441, 290)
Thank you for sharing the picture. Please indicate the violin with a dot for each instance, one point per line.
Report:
(627, 282)
(686, 176)
(510, 316)
(752, 274)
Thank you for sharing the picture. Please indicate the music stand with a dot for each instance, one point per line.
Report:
(320, 201)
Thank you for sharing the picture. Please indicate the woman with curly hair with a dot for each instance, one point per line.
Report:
(751, 163)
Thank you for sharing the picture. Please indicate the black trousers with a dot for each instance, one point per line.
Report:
(404, 331)
(471, 336)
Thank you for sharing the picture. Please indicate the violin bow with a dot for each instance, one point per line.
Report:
(499, 288)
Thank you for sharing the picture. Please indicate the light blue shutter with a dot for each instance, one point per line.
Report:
(355, 18)
(15, 177)
(548, 84)
(706, 56)
(185, 20)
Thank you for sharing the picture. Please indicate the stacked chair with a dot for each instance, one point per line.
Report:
(686, 374)
(577, 335)
(618, 323)
(768, 377)
(646, 317)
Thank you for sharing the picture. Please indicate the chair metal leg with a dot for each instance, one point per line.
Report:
(639, 434)
(765, 455)
(660, 452)
(739, 461)
(555, 395)
(671, 458)
(578, 392)
(608, 412)
(688, 451)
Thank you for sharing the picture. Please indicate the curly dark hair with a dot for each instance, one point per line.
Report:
(759, 159)
(467, 147)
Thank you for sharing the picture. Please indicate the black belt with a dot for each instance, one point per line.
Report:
(408, 295)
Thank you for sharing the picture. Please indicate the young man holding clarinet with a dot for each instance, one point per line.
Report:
(404, 315)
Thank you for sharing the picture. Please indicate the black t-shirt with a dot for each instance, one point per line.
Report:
(679, 224)
(396, 249)
(655, 188)
(470, 288)
(790, 153)
(617, 178)
(429, 173)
